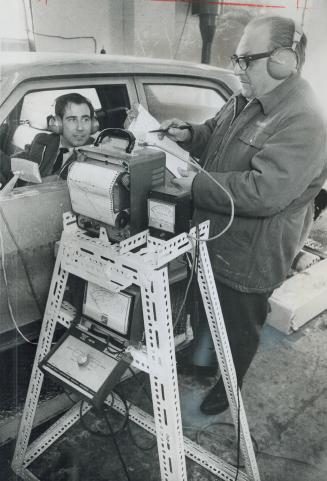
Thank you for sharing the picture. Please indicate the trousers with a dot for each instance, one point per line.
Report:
(244, 315)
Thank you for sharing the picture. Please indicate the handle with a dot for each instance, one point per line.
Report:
(120, 133)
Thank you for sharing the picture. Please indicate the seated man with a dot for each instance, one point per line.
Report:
(71, 127)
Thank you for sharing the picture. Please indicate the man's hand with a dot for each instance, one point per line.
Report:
(186, 180)
(173, 132)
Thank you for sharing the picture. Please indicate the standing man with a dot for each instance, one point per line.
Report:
(267, 147)
(71, 127)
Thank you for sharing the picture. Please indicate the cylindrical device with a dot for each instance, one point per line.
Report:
(208, 13)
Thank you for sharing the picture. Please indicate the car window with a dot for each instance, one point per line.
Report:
(110, 103)
(190, 103)
(38, 105)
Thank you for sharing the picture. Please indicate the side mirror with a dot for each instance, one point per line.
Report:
(22, 169)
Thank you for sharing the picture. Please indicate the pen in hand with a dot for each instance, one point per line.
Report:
(165, 131)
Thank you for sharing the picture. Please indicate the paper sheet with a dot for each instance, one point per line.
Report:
(91, 190)
(175, 155)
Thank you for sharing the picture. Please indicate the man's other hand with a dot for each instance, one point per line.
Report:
(173, 132)
(186, 180)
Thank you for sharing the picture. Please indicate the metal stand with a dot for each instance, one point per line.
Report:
(116, 267)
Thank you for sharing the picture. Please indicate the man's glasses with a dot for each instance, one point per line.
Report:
(243, 61)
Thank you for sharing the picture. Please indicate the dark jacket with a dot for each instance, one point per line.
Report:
(272, 159)
(44, 150)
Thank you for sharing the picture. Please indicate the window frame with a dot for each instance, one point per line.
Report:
(220, 87)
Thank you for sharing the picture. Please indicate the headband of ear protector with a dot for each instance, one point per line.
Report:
(55, 124)
(285, 60)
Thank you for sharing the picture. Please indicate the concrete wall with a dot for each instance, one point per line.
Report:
(154, 28)
(100, 21)
(140, 27)
(137, 27)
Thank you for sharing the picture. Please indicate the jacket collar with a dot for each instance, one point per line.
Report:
(270, 100)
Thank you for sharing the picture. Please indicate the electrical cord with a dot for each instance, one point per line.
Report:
(68, 394)
(111, 434)
(103, 412)
(88, 37)
(194, 269)
(292, 460)
(114, 350)
(215, 181)
(204, 430)
(183, 30)
(238, 433)
(117, 447)
(257, 451)
(6, 278)
(133, 439)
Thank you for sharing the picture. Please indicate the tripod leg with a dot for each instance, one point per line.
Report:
(55, 297)
(219, 335)
(163, 375)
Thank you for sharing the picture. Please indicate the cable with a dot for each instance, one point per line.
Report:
(201, 169)
(141, 385)
(133, 439)
(103, 413)
(89, 37)
(194, 267)
(303, 13)
(257, 451)
(6, 279)
(112, 434)
(293, 460)
(182, 31)
(117, 448)
(238, 433)
(68, 394)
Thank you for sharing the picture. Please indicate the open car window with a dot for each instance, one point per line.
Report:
(110, 104)
(36, 107)
(192, 103)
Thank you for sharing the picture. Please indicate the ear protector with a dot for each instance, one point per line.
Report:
(55, 124)
(285, 60)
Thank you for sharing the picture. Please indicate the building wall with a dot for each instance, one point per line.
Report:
(136, 27)
(141, 27)
(98, 21)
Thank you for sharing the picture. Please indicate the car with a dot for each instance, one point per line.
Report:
(31, 216)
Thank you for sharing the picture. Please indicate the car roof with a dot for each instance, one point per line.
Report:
(17, 67)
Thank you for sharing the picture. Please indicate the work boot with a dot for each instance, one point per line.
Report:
(216, 401)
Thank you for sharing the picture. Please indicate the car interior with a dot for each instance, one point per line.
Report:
(29, 117)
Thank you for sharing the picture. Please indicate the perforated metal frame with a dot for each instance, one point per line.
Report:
(115, 267)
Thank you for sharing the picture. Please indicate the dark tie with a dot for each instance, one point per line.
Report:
(58, 162)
